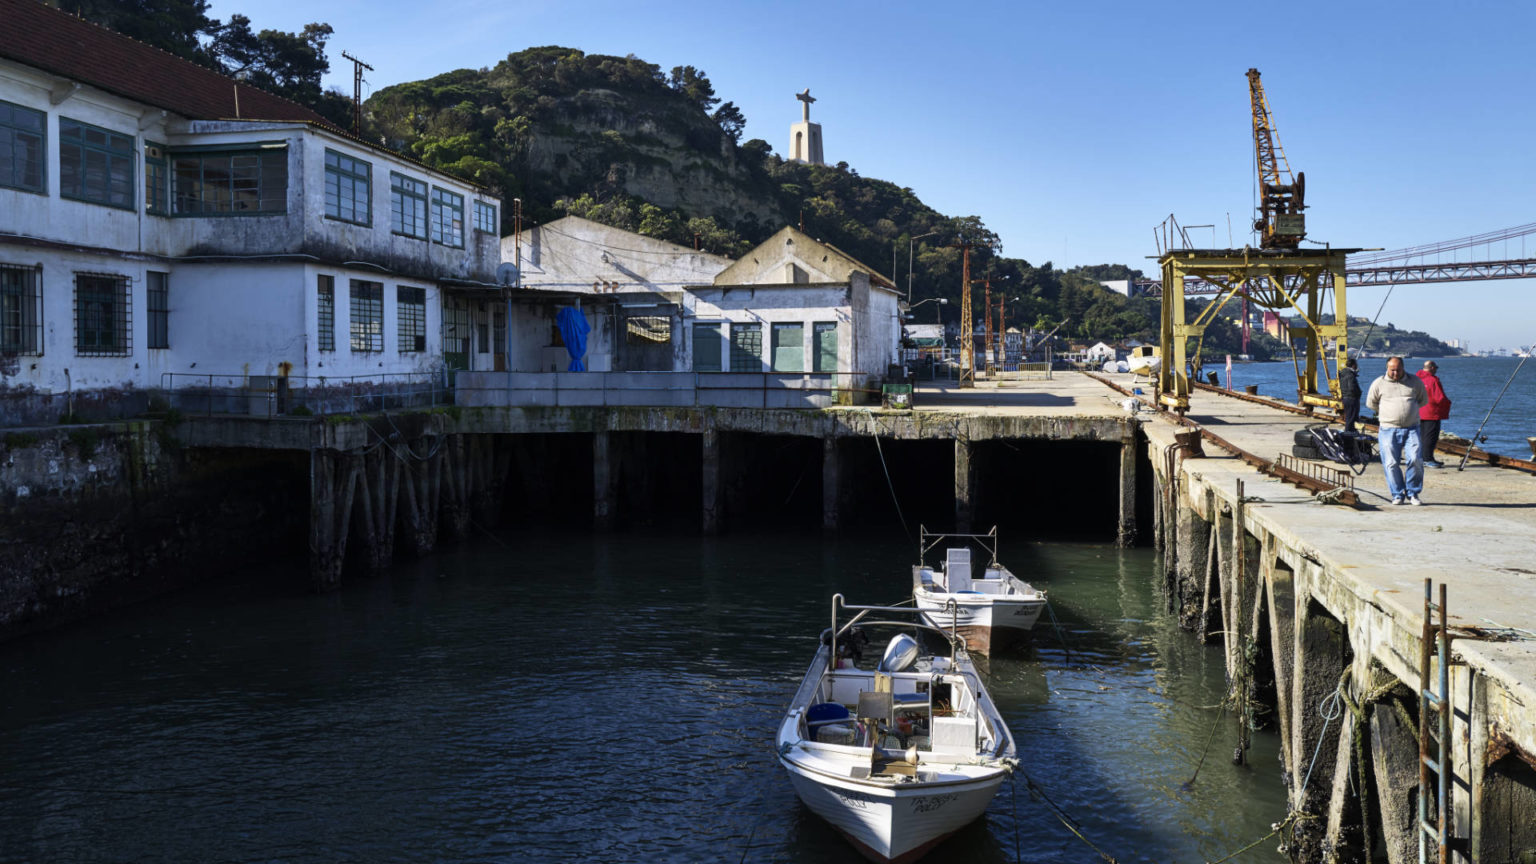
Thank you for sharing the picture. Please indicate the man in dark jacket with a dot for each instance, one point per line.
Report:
(1349, 391)
(1439, 408)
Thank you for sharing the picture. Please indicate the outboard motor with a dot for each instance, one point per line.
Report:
(900, 654)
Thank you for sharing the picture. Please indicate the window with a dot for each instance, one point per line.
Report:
(95, 164)
(482, 334)
(367, 316)
(240, 183)
(707, 343)
(447, 218)
(411, 311)
(825, 356)
(21, 309)
(347, 182)
(746, 347)
(325, 312)
(158, 304)
(101, 315)
(485, 218)
(22, 132)
(648, 330)
(407, 206)
(499, 330)
(789, 347)
(156, 180)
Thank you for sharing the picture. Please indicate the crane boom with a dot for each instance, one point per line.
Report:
(1281, 224)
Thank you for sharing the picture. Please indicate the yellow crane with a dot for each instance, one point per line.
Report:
(1281, 224)
(1277, 275)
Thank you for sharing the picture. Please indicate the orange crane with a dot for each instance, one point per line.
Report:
(1281, 224)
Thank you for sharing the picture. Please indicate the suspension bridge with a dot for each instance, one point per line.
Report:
(1509, 253)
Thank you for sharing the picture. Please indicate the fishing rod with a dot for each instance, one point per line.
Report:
(1477, 436)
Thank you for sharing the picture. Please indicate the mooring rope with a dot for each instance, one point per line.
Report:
(890, 484)
(1061, 815)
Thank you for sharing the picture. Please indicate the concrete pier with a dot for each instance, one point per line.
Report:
(1340, 593)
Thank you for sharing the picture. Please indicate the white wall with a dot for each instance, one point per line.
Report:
(571, 254)
(767, 305)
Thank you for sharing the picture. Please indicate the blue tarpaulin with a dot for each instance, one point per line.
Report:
(574, 329)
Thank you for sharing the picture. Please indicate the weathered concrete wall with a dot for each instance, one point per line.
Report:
(95, 516)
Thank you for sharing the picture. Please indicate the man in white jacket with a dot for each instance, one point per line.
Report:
(1396, 397)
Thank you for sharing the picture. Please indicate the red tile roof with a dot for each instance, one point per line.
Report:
(37, 35)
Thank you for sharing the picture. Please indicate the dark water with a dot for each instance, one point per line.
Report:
(1473, 383)
(560, 698)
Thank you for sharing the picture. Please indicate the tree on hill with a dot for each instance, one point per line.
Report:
(287, 64)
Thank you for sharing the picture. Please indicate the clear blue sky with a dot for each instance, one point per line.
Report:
(1073, 128)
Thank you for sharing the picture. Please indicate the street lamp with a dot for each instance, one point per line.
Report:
(912, 241)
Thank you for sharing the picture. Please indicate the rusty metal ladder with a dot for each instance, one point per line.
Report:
(1434, 641)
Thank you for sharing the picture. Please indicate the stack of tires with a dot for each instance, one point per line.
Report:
(1305, 446)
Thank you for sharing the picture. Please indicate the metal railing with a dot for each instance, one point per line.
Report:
(664, 389)
(302, 395)
(931, 364)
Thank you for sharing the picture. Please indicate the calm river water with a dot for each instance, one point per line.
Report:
(1473, 383)
(547, 697)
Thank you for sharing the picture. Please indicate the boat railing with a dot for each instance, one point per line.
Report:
(928, 540)
(952, 634)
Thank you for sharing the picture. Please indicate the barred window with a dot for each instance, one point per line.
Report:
(407, 206)
(485, 218)
(158, 305)
(95, 164)
(746, 347)
(367, 316)
(347, 184)
(325, 312)
(21, 309)
(101, 315)
(22, 133)
(246, 182)
(157, 180)
(411, 311)
(447, 218)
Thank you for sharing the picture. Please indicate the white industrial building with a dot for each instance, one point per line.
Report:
(791, 305)
(160, 220)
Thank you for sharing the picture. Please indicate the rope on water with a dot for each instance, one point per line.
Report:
(1066, 820)
(1208, 739)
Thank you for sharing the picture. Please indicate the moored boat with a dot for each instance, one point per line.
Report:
(897, 755)
(990, 610)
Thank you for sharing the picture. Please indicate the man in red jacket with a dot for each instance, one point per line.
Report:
(1439, 408)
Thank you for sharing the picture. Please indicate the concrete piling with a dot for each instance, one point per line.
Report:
(1125, 534)
(712, 491)
(965, 482)
(830, 490)
(602, 481)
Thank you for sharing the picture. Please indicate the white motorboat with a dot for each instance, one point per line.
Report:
(896, 756)
(991, 610)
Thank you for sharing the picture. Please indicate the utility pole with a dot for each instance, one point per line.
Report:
(357, 93)
(967, 326)
(986, 304)
(517, 269)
